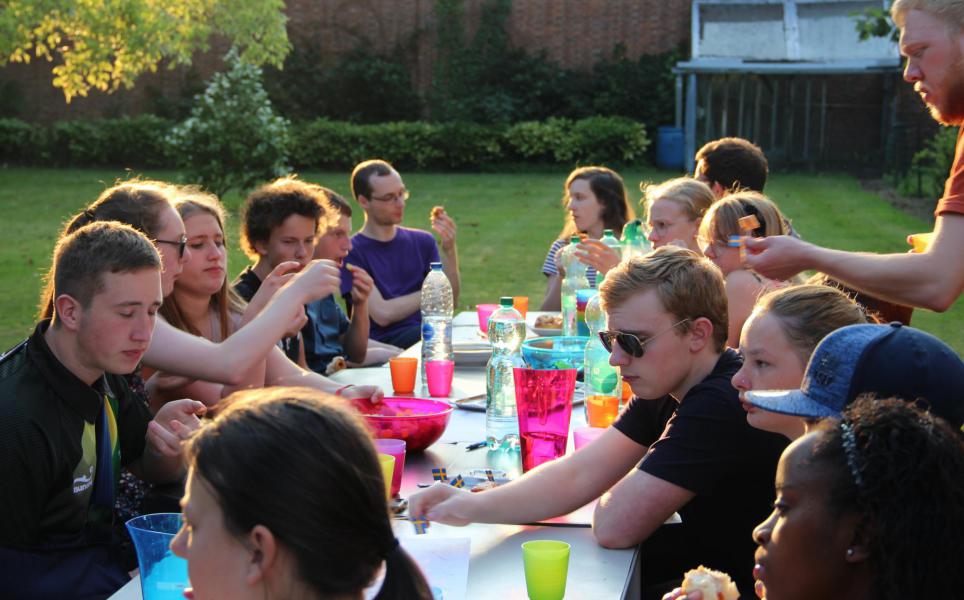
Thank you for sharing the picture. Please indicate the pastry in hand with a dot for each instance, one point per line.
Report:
(337, 364)
(715, 585)
(437, 211)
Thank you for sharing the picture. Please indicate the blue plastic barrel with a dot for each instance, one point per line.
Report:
(669, 148)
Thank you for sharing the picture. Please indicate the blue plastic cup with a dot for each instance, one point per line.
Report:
(163, 575)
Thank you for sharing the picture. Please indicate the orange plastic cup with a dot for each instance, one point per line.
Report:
(403, 374)
(521, 304)
(602, 410)
(627, 392)
(920, 241)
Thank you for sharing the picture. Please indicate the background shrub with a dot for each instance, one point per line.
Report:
(233, 138)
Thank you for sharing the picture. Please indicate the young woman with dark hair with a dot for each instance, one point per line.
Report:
(866, 508)
(595, 199)
(302, 516)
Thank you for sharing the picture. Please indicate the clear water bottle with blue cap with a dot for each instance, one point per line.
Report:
(436, 316)
(507, 331)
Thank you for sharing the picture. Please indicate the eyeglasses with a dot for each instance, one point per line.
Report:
(181, 244)
(401, 196)
(630, 343)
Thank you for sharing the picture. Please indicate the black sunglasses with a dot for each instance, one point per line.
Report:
(629, 342)
(181, 244)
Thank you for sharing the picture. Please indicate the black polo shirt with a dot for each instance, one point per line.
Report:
(709, 449)
(47, 417)
(247, 285)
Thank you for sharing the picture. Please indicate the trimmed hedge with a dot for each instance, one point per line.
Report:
(322, 144)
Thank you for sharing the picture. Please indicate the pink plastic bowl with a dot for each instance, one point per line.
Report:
(420, 422)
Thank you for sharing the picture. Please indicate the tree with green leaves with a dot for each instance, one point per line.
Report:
(106, 44)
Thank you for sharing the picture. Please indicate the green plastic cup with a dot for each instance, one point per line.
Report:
(546, 566)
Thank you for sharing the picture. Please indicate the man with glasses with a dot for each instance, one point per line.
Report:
(666, 328)
(396, 257)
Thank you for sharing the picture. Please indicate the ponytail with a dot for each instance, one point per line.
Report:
(403, 578)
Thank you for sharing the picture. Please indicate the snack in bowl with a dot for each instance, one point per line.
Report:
(715, 585)
(418, 421)
(549, 321)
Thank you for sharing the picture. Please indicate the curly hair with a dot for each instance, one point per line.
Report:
(267, 207)
(902, 470)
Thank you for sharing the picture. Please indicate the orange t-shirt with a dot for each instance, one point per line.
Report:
(953, 200)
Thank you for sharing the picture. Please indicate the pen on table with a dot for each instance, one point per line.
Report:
(475, 446)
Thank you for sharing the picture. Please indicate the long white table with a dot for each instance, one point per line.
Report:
(495, 561)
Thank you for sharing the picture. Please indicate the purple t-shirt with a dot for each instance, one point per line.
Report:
(398, 268)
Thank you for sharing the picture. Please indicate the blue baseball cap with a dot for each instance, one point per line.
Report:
(885, 360)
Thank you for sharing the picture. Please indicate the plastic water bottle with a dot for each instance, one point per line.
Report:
(611, 240)
(634, 240)
(507, 331)
(575, 279)
(436, 317)
(601, 379)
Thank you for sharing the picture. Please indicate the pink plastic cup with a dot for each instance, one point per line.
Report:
(543, 398)
(439, 375)
(581, 436)
(484, 312)
(394, 448)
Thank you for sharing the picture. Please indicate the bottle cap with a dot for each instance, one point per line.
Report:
(435, 265)
(574, 239)
(505, 301)
(608, 232)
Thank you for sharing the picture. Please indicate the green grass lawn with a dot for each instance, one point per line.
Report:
(506, 222)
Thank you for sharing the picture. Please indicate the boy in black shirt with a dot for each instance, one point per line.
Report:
(667, 323)
(68, 420)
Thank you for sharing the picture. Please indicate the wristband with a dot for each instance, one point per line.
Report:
(339, 391)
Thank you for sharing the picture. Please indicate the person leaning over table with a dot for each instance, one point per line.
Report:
(866, 508)
(666, 314)
(69, 421)
(932, 40)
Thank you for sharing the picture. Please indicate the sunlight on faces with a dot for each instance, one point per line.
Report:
(802, 544)
(770, 362)
(385, 212)
(172, 228)
(293, 240)
(935, 64)
(204, 272)
(724, 257)
(666, 360)
(218, 563)
(114, 331)
(585, 208)
(335, 243)
(668, 222)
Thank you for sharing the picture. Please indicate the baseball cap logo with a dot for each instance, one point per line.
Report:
(825, 371)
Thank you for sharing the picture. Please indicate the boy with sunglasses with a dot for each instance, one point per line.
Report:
(667, 323)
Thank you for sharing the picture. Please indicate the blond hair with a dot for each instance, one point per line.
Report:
(689, 286)
(693, 196)
(722, 219)
(950, 12)
(191, 201)
(807, 313)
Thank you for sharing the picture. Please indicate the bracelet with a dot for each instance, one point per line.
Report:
(339, 391)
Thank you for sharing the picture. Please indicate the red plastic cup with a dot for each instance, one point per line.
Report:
(394, 448)
(543, 398)
(584, 435)
(439, 375)
(485, 311)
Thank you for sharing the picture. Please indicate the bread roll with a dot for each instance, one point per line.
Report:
(714, 585)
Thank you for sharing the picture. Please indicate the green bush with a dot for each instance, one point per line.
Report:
(126, 141)
(540, 141)
(20, 142)
(233, 138)
(931, 165)
(608, 139)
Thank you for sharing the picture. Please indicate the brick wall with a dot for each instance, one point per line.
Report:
(574, 33)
